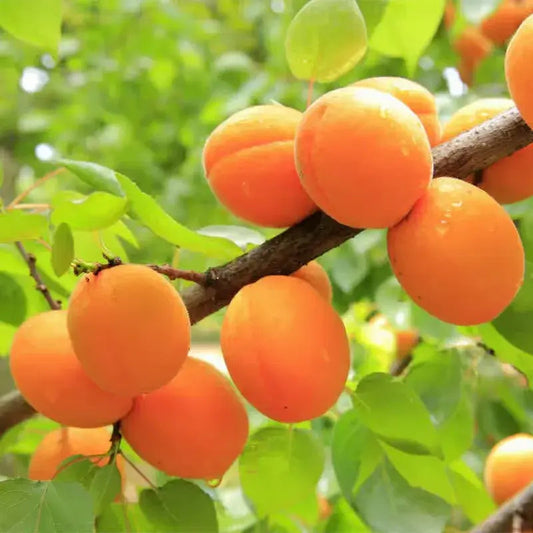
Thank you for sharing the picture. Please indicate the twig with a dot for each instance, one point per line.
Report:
(399, 365)
(175, 273)
(25, 193)
(41, 287)
(138, 470)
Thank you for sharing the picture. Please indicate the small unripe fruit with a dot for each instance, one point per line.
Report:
(518, 71)
(52, 380)
(249, 163)
(414, 96)
(62, 443)
(509, 467)
(285, 348)
(363, 157)
(317, 277)
(129, 328)
(458, 254)
(193, 427)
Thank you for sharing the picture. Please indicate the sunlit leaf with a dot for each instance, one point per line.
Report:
(325, 39)
(62, 249)
(19, 226)
(105, 486)
(241, 236)
(96, 176)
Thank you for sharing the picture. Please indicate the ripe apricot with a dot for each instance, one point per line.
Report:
(62, 443)
(285, 348)
(317, 277)
(509, 467)
(503, 22)
(472, 45)
(52, 380)
(414, 96)
(363, 156)
(129, 328)
(508, 180)
(193, 427)
(458, 254)
(518, 71)
(249, 164)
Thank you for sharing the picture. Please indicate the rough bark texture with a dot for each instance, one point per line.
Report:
(519, 509)
(471, 151)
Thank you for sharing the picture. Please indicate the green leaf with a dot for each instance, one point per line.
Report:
(325, 39)
(241, 236)
(19, 226)
(152, 215)
(77, 468)
(105, 486)
(179, 506)
(96, 176)
(280, 468)
(12, 302)
(97, 211)
(355, 453)
(393, 411)
(457, 432)
(406, 29)
(62, 249)
(118, 518)
(422, 471)
(387, 503)
(33, 21)
(471, 494)
(344, 518)
(372, 13)
(45, 507)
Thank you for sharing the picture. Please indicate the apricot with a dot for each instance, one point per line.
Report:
(129, 328)
(449, 14)
(193, 427)
(317, 277)
(472, 45)
(249, 164)
(285, 348)
(62, 443)
(503, 22)
(52, 380)
(363, 156)
(458, 254)
(414, 96)
(509, 467)
(518, 71)
(508, 180)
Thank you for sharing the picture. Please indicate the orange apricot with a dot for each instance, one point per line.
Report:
(508, 180)
(504, 20)
(518, 71)
(62, 443)
(317, 277)
(249, 164)
(449, 14)
(472, 46)
(285, 348)
(414, 96)
(193, 427)
(458, 254)
(129, 328)
(52, 380)
(363, 156)
(509, 467)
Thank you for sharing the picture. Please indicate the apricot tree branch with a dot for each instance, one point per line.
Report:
(176, 273)
(473, 150)
(502, 520)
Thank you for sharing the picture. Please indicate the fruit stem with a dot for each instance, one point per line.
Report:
(83, 267)
(116, 439)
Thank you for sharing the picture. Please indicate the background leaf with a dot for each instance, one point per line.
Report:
(19, 226)
(12, 301)
(62, 249)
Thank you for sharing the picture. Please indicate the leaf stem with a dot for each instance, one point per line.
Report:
(138, 470)
(33, 186)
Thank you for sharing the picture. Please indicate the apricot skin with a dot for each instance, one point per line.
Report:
(518, 71)
(129, 329)
(504, 21)
(317, 277)
(194, 427)
(508, 180)
(62, 443)
(458, 254)
(509, 467)
(52, 380)
(414, 96)
(285, 348)
(249, 164)
(363, 156)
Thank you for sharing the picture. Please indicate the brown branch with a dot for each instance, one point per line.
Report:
(473, 150)
(40, 286)
(13, 410)
(175, 273)
(502, 520)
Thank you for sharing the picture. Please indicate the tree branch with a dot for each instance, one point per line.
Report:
(473, 150)
(502, 520)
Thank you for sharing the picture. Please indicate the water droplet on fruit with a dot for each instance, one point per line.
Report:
(459, 203)
(214, 483)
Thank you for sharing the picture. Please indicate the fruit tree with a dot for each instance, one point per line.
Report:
(266, 266)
